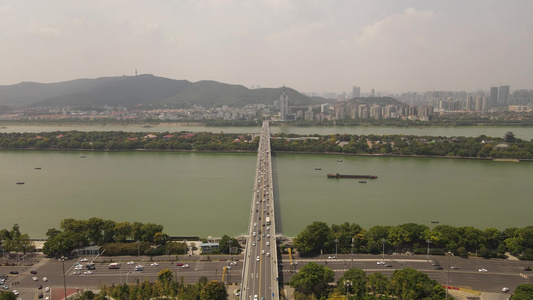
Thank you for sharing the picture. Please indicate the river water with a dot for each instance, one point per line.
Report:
(209, 193)
(525, 133)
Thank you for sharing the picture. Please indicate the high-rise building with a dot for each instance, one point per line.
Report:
(479, 103)
(284, 105)
(468, 105)
(356, 92)
(485, 104)
(503, 94)
(493, 101)
(372, 93)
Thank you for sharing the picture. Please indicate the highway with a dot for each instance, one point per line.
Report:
(260, 272)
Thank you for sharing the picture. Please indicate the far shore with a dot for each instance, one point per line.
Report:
(274, 152)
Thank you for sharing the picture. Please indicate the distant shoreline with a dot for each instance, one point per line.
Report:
(274, 152)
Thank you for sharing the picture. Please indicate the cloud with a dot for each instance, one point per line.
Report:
(407, 20)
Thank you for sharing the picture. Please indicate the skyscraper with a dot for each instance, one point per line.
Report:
(503, 94)
(493, 96)
(356, 92)
(284, 105)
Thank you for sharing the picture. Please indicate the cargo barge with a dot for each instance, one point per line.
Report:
(352, 176)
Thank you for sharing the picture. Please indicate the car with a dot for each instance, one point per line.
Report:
(253, 244)
(438, 268)
(388, 266)
(5, 287)
(84, 259)
(268, 253)
(258, 258)
(455, 267)
(154, 264)
(483, 270)
(435, 264)
(45, 279)
(258, 238)
(185, 266)
(45, 298)
(139, 268)
(91, 267)
(268, 243)
(130, 262)
(78, 268)
(505, 289)
(40, 287)
(331, 257)
(268, 227)
(78, 263)
(16, 292)
(76, 273)
(88, 273)
(380, 262)
(179, 264)
(47, 289)
(263, 252)
(268, 235)
(255, 297)
(13, 272)
(254, 234)
(528, 268)
(41, 296)
(233, 263)
(35, 278)
(33, 272)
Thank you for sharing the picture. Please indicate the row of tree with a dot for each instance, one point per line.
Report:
(14, 240)
(319, 238)
(74, 234)
(313, 281)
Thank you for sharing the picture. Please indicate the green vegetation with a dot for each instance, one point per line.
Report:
(313, 282)
(523, 292)
(14, 240)
(319, 238)
(111, 235)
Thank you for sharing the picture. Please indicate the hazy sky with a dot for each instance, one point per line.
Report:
(312, 45)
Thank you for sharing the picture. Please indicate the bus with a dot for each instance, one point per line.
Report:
(268, 220)
(114, 265)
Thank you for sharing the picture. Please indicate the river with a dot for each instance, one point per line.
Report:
(209, 193)
(525, 133)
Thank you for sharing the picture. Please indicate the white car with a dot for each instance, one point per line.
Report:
(263, 252)
(258, 258)
(154, 264)
(483, 270)
(87, 273)
(268, 253)
(380, 262)
(78, 268)
(233, 263)
(185, 266)
(130, 262)
(84, 259)
(76, 273)
(268, 244)
(16, 292)
(45, 279)
(253, 244)
(139, 268)
(331, 257)
(47, 289)
(35, 278)
(505, 289)
(254, 234)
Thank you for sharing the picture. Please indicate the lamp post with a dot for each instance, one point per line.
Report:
(229, 248)
(351, 265)
(449, 254)
(64, 278)
(139, 250)
(3, 255)
(347, 284)
(336, 244)
(383, 242)
(427, 255)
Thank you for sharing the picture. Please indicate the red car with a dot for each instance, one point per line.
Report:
(179, 264)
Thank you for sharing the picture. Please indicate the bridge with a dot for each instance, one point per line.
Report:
(260, 271)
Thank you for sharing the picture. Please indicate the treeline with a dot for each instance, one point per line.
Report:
(74, 234)
(119, 140)
(320, 238)
(476, 147)
(313, 281)
(16, 241)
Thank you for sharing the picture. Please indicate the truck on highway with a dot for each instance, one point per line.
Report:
(114, 265)
(268, 220)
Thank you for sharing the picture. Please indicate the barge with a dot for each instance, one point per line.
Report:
(337, 175)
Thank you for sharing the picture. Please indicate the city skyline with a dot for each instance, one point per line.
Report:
(391, 47)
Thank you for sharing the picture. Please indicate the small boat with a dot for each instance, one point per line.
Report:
(82, 156)
(20, 182)
(339, 160)
(435, 222)
(362, 181)
(37, 168)
(318, 169)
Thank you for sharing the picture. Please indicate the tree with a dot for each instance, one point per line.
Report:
(8, 296)
(313, 239)
(357, 282)
(224, 247)
(378, 283)
(213, 290)
(523, 292)
(161, 238)
(165, 275)
(312, 279)
(409, 283)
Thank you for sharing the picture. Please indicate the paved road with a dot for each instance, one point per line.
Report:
(260, 274)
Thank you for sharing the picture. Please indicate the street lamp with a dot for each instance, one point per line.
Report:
(449, 254)
(229, 248)
(64, 278)
(347, 284)
(351, 265)
(383, 242)
(139, 250)
(336, 244)
(427, 255)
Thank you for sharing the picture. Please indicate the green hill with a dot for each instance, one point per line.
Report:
(147, 90)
